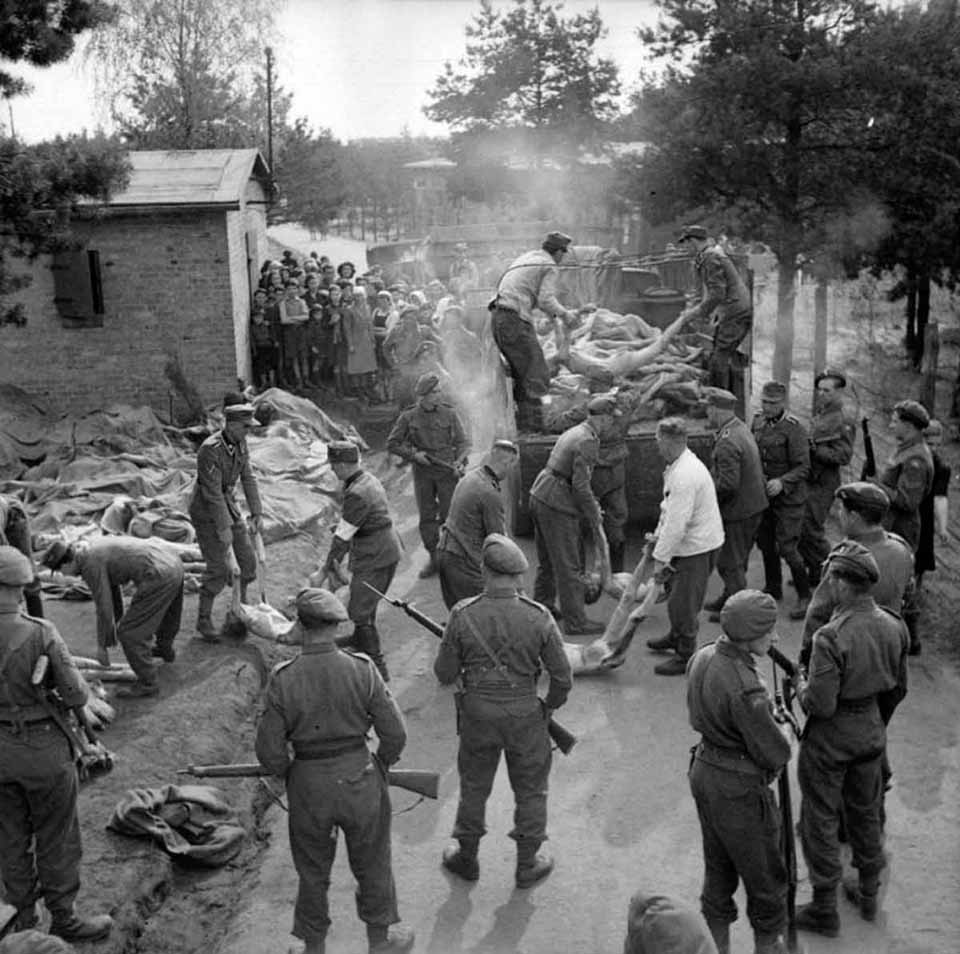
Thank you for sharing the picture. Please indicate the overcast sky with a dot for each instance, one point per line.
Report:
(358, 67)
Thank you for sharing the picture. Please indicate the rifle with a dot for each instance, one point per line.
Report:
(421, 783)
(565, 740)
(783, 702)
(455, 469)
(869, 458)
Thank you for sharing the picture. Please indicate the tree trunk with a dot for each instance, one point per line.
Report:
(783, 338)
(911, 312)
(923, 313)
(931, 359)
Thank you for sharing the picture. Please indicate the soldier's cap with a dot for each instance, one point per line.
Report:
(55, 555)
(15, 568)
(837, 376)
(717, 397)
(603, 404)
(502, 555)
(697, 232)
(501, 443)
(913, 412)
(865, 494)
(658, 923)
(773, 391)
(315, 605)
(853, 560)
(748, 615)
(427, 382)
(240, 412)
(555, 241)
(342, 452)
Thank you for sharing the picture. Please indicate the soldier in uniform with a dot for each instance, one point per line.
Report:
(857, 670)
(908, 476)
(726, 298)
(529, 282)
(431, 436)
(106, 564)
(741, 751)
(497, 644)
(741, 493)
(561, 498)
(367, 533)
(476, 511)
(221, 532)
(322, 704)
(785, 455)
(40, 845)
(831, 447)
(15, 532)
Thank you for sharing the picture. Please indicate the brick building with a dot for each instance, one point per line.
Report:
(165, 271)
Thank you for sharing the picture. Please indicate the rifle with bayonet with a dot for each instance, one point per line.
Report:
(869, 459)
(422, 783)
(564, 739)
(783, 711)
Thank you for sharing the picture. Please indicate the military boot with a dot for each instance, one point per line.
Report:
(317, 945)
(205, 626)
(26, 919)
(768, 943)
(367, 641)
(429, 568)
(462, 860)
(720, 932)
(70, 926)
(714, 606)
(616, 557)
(531, 867)
(389, 940)
(820, 915)
(863, 893)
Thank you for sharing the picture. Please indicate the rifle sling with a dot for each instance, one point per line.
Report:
(485, 646)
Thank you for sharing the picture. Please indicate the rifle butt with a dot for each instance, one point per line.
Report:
(782, 661)
(426, 784)
(563, 738)
(242, 770)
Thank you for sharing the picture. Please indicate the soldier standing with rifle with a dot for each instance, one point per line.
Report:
(497, 644)
(367, 534)
(40, 844)
(741, 751)
(430, 435)
(323, 703)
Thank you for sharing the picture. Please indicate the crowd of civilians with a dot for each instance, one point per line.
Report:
(314, 324)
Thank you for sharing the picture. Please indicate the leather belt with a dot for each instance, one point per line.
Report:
(856, 705)
(736, 759)
(318, 752)
(370, 531)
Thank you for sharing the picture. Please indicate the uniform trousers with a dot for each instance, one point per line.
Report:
(433, 487)
(688, 586)
(348, 793)
(214, 550)
(813, 545)
(740, 823)
(518, 729)
(39, 830)
(155, 610)
(557, 537)
(460, 577)
(609, 487)
(734, 555)
(777, 538)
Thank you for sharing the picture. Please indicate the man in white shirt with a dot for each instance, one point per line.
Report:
(688, 537)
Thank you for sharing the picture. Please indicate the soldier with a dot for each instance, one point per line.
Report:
(431, 436)
(785, 456)
(560, 499)
(726, 298)
(106, 564)
(831, 447)
(367, 533)
(497, 644)
(908, 475)
(857, 663)
(530, 282)
(476, 511)
(688, 536)
(935, 507)
(660, 924)
(222, 535)
(15, 532)
(40, 845)
(741, 751)
(741, 493)
(323, 703)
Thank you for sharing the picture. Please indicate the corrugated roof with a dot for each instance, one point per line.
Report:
(190, 177)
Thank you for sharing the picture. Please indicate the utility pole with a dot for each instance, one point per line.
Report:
(269, 53)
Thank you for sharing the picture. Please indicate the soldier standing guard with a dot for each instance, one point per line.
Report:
(431, 436)
(741, 751)
(831, 447)
(367, 533)
(323, 703)
(497, 643)
(40, 844)
(785, 455)
(222, 535)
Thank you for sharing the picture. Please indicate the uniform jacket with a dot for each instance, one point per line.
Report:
(374, 543)
(730, 707)
(438, 432)
(327, 698)
(564, 484)
(784, 454)
(219, 465)
(907, 479)
(476, 510)
(613, 445)
(737, 472)
(690, 521)
(530, 282)
(521, 634)
(831, 447)
(723, 290)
